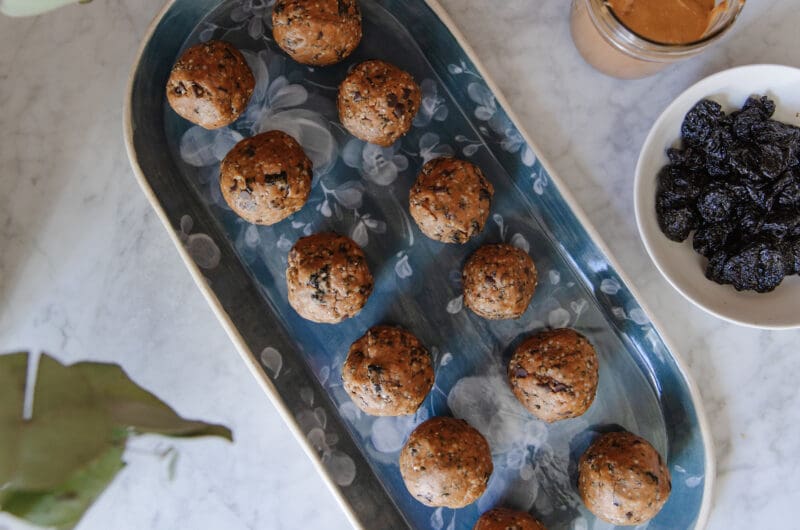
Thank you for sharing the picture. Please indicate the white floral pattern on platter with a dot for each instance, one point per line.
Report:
(272, 359)
(312, 421)
(348, 196)
(691, 481)
(516, 437)
(379, 165)
(363, 226)
(500, 129)
(430, 148)
(253, 16)
(433, 107)
(203, 250)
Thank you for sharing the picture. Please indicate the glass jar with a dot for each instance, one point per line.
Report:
(612, 48)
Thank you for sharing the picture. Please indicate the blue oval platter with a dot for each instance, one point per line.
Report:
(362, 190)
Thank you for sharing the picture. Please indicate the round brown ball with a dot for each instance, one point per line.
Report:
(210, 84)
(499, 281)
(388, 372)
(507, 519)
(377, 102)
(328, 278)
(266, 178)
(446, 462)
(623, 480)
(317, 32)
(450, 200)
(554, 374)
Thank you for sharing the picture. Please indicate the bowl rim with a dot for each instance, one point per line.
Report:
(638, 190)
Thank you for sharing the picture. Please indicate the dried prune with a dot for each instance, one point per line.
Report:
(781, 224)
(754, 112)
(715, 203)
(736, 183)
(744, 161)
(689, 158)
(750, 219)
(786, 191)
(711, 239)
(791, 255)
(758, 266)
(678, 223)
(701, 122)
(681, 184)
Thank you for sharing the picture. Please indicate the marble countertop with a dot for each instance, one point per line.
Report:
(88, 272)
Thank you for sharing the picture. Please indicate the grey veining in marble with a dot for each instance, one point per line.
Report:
(87, 271)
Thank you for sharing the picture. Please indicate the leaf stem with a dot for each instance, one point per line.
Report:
(30, 385)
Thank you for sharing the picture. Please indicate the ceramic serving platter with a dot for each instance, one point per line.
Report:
(362, 190)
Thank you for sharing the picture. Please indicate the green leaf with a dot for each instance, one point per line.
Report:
(54, 446)
(13, 372)
(69, 428)
(64, 506)
(131, 406)
(54, 465)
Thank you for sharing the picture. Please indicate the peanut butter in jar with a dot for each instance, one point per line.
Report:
(636, 38)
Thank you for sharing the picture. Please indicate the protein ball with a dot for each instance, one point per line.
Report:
(446, 462)
(266, 178)
(623, 480)
(450, 200)
(328, 278)
(554, 374)
(507, 519)
(317, 32)
(377, 102)
(499, 281)
(388, 372)
(210, 84)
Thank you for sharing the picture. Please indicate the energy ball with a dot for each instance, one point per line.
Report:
(266, 178)
(450, 200)
(377, 102)
(446, 462)
(554, 374)
(317, 32)
(499, 281)
(388, 372)
(328, 278)
(623, 480)
(507, 519)
(210, 84)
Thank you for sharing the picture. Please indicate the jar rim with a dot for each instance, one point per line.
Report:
(627, 40)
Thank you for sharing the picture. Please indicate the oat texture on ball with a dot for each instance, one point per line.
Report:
(377, 102)
(623, 480)
(450, 200)
(210, 84)
(317, 32)
(446, 462)
(507, 519)
(388, 372)
(266, 178)
(499, 281)
(328, 278)
(554, 374)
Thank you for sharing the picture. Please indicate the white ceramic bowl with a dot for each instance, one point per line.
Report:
(678, 262)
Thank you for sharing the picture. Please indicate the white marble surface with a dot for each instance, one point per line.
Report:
(87, 271)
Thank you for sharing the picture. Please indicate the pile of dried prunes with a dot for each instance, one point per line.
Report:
(736, 184)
